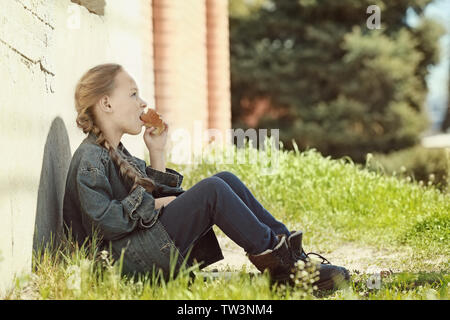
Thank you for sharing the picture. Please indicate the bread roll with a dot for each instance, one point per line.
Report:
(152, 119)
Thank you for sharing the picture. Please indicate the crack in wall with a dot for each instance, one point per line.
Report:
(45, 70)
(35, 15)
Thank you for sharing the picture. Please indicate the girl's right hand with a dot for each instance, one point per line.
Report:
(163, 201)
(153, 142)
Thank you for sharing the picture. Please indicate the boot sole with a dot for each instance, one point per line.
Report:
(333, 282)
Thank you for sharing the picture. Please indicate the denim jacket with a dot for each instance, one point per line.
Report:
(97, 198)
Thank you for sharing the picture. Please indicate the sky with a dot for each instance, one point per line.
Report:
(438, 78)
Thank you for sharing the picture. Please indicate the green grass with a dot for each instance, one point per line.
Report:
(334, 202)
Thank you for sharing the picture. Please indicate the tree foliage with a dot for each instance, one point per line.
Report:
(331, 82)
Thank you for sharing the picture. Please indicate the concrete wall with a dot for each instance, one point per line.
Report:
(45, 47)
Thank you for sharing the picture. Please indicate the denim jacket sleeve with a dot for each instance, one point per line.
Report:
(114, 218)
(169, 178)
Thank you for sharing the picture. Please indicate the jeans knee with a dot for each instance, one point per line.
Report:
(213, 184)
(214, 190)
(225, 175)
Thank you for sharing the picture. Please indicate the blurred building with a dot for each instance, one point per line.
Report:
(177, 52)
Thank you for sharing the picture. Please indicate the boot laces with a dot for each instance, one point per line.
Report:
(324, 260)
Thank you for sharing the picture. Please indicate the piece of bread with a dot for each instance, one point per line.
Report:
(152, 119)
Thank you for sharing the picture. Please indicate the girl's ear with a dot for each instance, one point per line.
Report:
(104, 104)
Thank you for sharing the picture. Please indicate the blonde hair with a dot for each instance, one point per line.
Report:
(95, 83)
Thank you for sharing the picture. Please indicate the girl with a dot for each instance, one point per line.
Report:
(143, 210)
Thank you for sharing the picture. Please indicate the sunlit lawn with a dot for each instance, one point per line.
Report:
(333, 201)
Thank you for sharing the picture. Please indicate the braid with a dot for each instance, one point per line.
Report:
(126, 170)
(94, 83)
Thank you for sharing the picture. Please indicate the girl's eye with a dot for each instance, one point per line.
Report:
(133, 94)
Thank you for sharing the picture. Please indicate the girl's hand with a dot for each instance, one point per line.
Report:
(153, 142)
(164, 201)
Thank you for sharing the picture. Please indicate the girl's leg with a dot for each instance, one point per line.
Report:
(247, 197)
(212, 201)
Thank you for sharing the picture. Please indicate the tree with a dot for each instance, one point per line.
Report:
(316, 71)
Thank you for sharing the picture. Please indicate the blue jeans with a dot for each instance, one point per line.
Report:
(221, 200)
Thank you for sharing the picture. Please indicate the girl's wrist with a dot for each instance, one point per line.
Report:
(158, 161)
(156, 150)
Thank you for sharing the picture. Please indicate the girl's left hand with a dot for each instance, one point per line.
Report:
(153, 142)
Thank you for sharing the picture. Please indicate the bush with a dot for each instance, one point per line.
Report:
(431, 166)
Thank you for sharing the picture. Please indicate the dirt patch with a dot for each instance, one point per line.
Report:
(361, 259)
(234, 257)
(356, 258)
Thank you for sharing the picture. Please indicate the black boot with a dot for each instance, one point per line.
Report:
(330, 276)
(278, 261)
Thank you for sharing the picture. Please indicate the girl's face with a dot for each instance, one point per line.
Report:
(126, 105)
